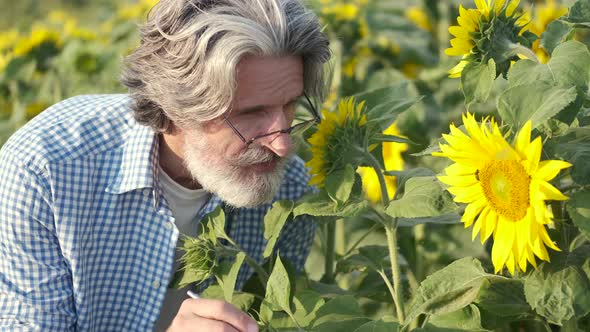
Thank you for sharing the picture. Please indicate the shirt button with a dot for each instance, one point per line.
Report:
(146, 193)
(156, 284)
(169, 225)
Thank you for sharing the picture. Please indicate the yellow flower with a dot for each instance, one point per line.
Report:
(505, 188)
(136, 11)
(475, 26)
(4, 60)
(417, 16)
(349, 67)
(333, 137)
(543, 14)
(342, 11)
(411, 69)
(39, 35)
(8, 39)
(363, 28)
(392, 158)
(456, 71)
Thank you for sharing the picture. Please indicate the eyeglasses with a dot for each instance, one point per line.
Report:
(293, 130)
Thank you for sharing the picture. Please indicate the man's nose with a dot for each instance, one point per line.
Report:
(281, 144)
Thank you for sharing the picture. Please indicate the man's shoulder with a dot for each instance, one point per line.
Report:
(72, 128)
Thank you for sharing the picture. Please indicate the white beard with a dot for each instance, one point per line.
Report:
(227, 178)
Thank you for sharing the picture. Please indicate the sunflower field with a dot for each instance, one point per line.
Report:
(451, 162)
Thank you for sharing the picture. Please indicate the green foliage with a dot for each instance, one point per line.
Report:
(450, 289)
(579, 210)
(339, 184)
(423, 198)
(227, 274)
(558, 295)
(278, 289)
(384, 56)
(273, 223)
(477, 81)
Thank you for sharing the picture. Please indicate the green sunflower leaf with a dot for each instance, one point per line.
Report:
(423, 197)
(556, 33)
(321, 205)
(215, 222)
(578, 208)
(378, 326)
(465, 319)
(537, 101)
(339, 184)
(242, 301)
(579, 14)
(569, 66)
(227, 274)
(558, 295)
(278, 289)
(307, 303)
(477, 80)
(274, 220)
(342, 313)
(450, 289)
(385, 114)
(574, 147)
(503, 297)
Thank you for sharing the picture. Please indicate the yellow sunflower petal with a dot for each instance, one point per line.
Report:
(489, 216)
(459, 181)
(459, 32)
(503, 240)
(472, 210)
(466, 194)
(533, 154)
(548, 169)
(511, 7)
(524, 137)
(548, 192)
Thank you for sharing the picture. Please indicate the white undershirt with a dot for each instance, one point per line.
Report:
(185, 204)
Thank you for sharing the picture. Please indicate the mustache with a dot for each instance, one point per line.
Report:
(255, 155)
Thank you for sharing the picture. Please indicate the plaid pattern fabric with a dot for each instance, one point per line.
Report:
(87, 240)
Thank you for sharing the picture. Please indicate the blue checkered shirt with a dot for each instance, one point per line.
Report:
(87, 240)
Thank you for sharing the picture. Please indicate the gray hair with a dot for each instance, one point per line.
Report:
(184, 70)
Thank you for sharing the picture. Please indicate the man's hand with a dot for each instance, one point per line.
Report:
(211, 316)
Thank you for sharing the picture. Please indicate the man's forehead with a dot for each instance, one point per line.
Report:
(268, 80)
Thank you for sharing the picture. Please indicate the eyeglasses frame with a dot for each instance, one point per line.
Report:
(300, 126)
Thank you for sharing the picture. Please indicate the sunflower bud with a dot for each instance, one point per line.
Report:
(199, 259)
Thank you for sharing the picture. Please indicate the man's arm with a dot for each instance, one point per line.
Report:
(35, 282)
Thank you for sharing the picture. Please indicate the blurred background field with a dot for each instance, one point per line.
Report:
(51, 50)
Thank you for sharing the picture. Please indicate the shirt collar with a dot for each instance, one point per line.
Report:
(138, 165)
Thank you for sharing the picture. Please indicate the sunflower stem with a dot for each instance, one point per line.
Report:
(330, 247)
(391, 232)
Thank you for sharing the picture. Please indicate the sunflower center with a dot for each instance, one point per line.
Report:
(505, 185)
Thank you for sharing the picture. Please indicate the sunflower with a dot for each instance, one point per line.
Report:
(505, 188)
(419, 17)
(543, 14)
(392, 158)
(40, 36)
(331, 143)
(490, 31)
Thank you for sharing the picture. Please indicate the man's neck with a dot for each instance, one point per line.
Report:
(171, 161)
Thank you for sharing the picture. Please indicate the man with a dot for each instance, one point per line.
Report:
(95, 191)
